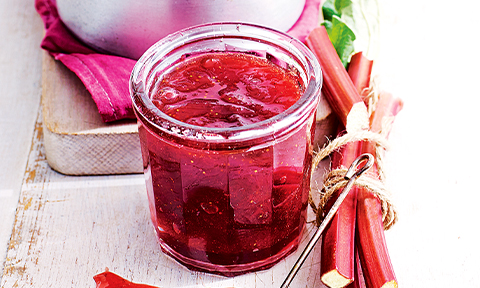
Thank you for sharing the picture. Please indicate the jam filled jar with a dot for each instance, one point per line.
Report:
(226, 117)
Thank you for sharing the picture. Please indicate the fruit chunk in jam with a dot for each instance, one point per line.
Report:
(227, 211)
(226, 90)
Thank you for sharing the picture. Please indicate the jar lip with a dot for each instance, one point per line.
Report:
(221, 30)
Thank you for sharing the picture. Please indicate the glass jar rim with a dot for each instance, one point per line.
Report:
(287, 120)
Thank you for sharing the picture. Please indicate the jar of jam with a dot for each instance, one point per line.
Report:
(226, 117)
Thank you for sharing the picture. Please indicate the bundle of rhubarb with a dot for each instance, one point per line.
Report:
(354, 251)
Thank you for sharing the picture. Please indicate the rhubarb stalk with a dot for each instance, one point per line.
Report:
(338, 88)
(375, 260)
(359, 70)
(373, 252)
(359, 280)
(338, 262)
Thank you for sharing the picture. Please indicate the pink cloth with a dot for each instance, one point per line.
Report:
(106, 76)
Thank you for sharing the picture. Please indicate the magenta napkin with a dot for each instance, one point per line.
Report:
(106, 76)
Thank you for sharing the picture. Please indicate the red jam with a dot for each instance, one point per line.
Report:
(227, 211)
(226, 90)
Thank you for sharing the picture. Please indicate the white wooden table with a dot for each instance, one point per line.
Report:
(59, 231)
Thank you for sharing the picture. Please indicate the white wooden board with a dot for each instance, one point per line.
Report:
(77, 141)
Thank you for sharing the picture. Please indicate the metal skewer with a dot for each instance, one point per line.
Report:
(352, 174)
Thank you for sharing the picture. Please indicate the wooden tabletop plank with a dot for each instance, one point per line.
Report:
(20, 88)
(68, 229)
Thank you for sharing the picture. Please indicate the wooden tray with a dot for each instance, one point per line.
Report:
(78, 142)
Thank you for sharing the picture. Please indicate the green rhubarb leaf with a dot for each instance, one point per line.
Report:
(363, 17)
(341, 5)
(329, 10)
(342, 38)
(353, 19)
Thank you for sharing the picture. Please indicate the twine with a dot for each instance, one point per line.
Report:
(335, 179)
(371, 95)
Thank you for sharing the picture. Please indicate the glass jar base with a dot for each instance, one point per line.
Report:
(229, 270)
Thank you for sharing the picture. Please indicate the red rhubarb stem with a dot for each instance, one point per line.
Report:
(359, 280)
(337, 264)
(359, 70)
(341, 93)
(339, 257)
(374, 257)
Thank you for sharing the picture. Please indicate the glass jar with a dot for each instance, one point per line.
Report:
(227, 200)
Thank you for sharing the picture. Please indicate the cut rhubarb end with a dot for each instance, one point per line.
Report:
(339, 90)
(391, 284)
(372, 247)
(338, 245)
(339, 236)
(387, 106)
(334, 279)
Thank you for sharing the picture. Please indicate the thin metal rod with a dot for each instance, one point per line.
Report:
(352, 174)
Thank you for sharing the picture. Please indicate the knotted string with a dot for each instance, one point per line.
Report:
(335, 181)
